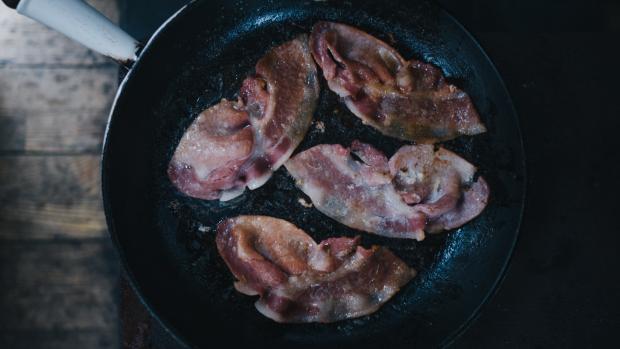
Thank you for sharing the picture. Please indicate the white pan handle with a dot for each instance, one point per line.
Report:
(84, 24)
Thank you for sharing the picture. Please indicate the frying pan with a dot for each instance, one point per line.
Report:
(166, 240)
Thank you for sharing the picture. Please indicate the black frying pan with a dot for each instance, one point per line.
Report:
(166, 240)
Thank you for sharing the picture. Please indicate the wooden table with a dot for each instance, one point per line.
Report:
(58, 270)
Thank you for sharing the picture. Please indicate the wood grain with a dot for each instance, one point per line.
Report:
(81, 132)
(47, 197)
(58, 270)
(53, 287)
(24, 42)
(25, 91)
(74, 132)
(54, 110)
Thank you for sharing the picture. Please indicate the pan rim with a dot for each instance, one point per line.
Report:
(112, 232)
(457, 333)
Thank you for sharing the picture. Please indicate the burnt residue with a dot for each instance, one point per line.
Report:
(167, 238)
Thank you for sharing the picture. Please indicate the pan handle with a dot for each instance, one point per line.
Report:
(82, 23)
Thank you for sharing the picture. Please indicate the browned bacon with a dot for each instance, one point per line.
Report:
(354, 193)
(234, 145)
(439, 184)
(409, 100)
(299, 280)
(422, 191)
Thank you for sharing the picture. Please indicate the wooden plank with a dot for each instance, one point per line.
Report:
(46, 197)
(54, 110)
(57, 287)
(24, 91)
(58, 270)
(53, 131)
(26, 42)
(65, 132)
(51, 110)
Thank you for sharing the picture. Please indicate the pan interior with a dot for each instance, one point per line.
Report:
(166, 239)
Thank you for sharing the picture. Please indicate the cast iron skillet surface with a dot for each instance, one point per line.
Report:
(166, 240)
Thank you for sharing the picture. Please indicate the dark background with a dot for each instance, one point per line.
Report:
(559, 60)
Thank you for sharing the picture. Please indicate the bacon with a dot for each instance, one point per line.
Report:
(234, 145)
(423, 191)
(211, 152)
(408, 100)
(299, 280)
(354, 193)
(440, 184)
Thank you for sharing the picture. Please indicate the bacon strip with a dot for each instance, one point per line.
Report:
(299, 280)
(234, 145)
(419, 190)
(408, 100)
